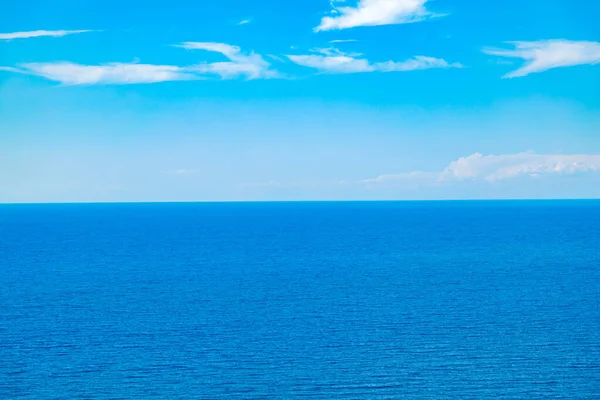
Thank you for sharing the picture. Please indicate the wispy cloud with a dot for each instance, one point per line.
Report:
(334, 61)
(40, 33)
(251, 65)
(374, 12)
(244, 22)
(69, 73)
(329, 62)
(495, 168)
(10, 69)
(547, 54)
(343, 41)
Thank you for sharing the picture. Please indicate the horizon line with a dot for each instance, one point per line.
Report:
(299, 201)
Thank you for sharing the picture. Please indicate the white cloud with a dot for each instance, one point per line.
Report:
(114, 73)
(10, 69)
(276, 58)
(486, 171)
(333, 61)
(251, 66)
(374, 12)
(40, 33)
(340, 64)
(547, 54)
(343, 41)
(495, 168)
(418, 62)
(244, 22)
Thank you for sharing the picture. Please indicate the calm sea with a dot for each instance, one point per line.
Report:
(398, 300)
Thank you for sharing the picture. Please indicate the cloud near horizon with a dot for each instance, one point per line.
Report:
(333, 61)
(548, 54)
(476, 168)
(504, 167)
(39, 33)
(373, 13)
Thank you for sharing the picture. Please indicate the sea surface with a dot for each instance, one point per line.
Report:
(373, 300)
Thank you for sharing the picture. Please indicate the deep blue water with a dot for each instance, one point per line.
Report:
(399, 300)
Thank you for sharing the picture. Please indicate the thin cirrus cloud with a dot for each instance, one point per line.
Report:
(38, 33)
(373, 13)
(548, 54)
(69, 73)
(496, 168)
(250, 66)
(333, 61)
(343, 41)
(476, 168)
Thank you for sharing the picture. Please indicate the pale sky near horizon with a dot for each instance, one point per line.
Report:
(311, 100)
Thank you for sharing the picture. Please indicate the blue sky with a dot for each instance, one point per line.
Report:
(299, 100)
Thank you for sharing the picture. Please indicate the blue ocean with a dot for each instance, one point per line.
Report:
(349, 300)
